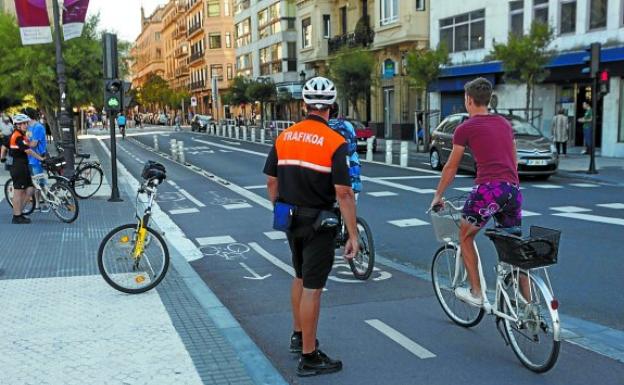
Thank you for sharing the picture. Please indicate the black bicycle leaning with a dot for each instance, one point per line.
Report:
(134, 258)
(87, 178)
(363, 263)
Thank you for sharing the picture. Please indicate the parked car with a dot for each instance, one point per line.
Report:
(201, 122)
(537, 156)
(362, 133)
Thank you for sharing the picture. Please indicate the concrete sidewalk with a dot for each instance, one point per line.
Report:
(62, 324)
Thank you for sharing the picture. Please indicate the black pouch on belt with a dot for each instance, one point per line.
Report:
(326, 220)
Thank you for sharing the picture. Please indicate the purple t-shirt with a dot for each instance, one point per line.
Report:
(491, 140)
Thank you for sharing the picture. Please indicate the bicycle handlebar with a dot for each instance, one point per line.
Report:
(440, 206)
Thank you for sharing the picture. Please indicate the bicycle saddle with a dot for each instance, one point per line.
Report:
(83, 156)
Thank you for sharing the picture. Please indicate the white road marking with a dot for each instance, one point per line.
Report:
(527, 213)
(172, 183)
(275, 235)
(411, 222)
(378, 194)
(256, 187)
(465, 189)
(400, 339)
(191, 198)
(254, 275)
(233, 143)
(616, 206)
(273, 259)
(398, 186)
(263, 154)
(546, 186)
(593, 218)
(236, 206)
(570, 209)
(584, 185)
(183, 211)
(226, 151)
(209, 241)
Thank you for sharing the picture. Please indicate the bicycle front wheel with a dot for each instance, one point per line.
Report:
(363, 263)
(121, 270)
(447, 273)
(28, 208)
(88, 181)
(534, 335)
(64, 202)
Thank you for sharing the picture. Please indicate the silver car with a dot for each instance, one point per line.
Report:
(537, 155)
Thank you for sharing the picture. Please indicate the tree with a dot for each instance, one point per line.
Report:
(155, 92)
(525, 58)
(285, 98)
(352, 72)
(262, 91)
(423, 68)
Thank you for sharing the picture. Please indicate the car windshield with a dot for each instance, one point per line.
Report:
(522, 127)
(357, 125)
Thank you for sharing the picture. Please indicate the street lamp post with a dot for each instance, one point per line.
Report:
(65, 122)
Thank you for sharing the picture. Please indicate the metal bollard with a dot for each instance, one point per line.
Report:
(174, 148)
(262, 135)
(244, 133)
(181, 151)
(155, 143)
(388, 151)
(253, 134)
(229, 131)
(236, 132)
(404, 154)
(369, 149)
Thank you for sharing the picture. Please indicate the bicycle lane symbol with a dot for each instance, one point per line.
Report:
(342, 269)
(233, 252)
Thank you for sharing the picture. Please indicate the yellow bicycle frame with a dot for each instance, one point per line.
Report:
(140, 242)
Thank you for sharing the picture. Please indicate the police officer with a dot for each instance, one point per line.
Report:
(308, 169)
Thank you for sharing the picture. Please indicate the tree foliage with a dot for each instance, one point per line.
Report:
(525, 57)
(261, 91)
(352, 72)
(237, 94)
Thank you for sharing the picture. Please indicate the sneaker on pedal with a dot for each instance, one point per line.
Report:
(296, 343)
(465, 294)
(317, 363)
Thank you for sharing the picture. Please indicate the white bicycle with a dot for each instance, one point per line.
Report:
(523, 300)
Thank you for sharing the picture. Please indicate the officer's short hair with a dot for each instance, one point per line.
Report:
(480, 90)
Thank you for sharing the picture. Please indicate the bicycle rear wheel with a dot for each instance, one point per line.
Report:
(64, 202)
(28, 208)
(534, 337)
(88, 181)
(448, 273)
(363, 263)
(122, 271)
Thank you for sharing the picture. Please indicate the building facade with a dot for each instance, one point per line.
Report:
(148, 50)
(392, 29)
(470, 28)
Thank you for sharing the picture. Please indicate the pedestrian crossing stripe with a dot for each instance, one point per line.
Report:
(616, 206)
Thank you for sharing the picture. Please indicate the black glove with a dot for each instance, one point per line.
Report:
(3, 160)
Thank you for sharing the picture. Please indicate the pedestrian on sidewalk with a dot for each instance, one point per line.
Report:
(587, 127)
(307, 171)
(6, 129)
(560, 127)
(178, 121)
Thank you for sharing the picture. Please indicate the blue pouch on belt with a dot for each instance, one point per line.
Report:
(283, 214)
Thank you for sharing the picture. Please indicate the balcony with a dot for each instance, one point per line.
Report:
(196, 57)
(182, 7)
(181, 71)
(362, 37)
(180, 32)
(197, 85)
(194, 29)
(192, 6)
(181, 51)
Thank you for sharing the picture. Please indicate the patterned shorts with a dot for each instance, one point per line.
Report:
(501, 200)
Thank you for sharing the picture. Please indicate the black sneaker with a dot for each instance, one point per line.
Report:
(20, 220)
(320, 363)
(296, 343)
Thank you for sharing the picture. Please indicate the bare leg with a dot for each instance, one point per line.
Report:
(310, 307)
(18, 201)
(295, 300)
(467, 236)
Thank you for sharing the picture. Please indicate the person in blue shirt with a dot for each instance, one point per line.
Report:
(345, 128)
(38, 143)
(121, 123)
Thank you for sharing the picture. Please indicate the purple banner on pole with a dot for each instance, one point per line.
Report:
(74, 14)
(33, 20)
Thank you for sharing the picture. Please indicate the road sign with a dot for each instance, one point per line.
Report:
(193, 101)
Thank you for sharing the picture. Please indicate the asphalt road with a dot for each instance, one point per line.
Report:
(249, 269)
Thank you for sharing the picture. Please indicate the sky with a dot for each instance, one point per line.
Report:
(122, 16)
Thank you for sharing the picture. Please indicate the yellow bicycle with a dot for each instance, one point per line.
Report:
(134, 258)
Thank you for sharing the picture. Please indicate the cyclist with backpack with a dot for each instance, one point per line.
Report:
(338, 123)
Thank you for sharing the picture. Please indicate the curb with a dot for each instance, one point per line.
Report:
(583, 175)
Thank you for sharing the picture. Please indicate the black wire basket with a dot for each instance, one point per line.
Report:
(540, 249)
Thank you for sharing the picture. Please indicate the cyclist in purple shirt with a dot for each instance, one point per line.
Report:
(496, 192)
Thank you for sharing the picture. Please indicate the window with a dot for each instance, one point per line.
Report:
(516, 17)
(157, 36)
(621, 130)
(242, 33)
(214, 40)
(216, 71)
(228, 40)
(271, 59)
(420, 5)
(463, 32)
(389, 11)
(343, 20)
(598, 14)
(326, 26)
(306, 33)
(226, 7)
(214, 8)
(540, 11)
(243, 65)
(230, 72)
(567, 24)
(269, 21)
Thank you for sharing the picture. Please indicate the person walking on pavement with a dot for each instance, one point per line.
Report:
(178, 121)
(560, 131)
(587, 127)
(307, 171)
(6, 129)
(19, 150)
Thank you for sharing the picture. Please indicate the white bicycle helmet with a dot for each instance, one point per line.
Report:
(319, 93)
(20, 118)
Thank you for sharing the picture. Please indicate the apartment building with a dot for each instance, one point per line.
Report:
(148, 49)
(394, 28)
(470, 27)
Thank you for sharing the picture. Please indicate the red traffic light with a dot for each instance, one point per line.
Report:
(604, 76)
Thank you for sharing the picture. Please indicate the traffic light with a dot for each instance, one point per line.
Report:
(603, 82)
(592, 60)
(113, 91)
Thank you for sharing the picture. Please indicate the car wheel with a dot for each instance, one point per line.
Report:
(434, 160)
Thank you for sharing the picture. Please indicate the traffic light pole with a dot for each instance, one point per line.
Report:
(592, 147)
(110, 72)
(65, 121)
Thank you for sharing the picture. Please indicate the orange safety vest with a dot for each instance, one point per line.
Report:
(13, 140)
